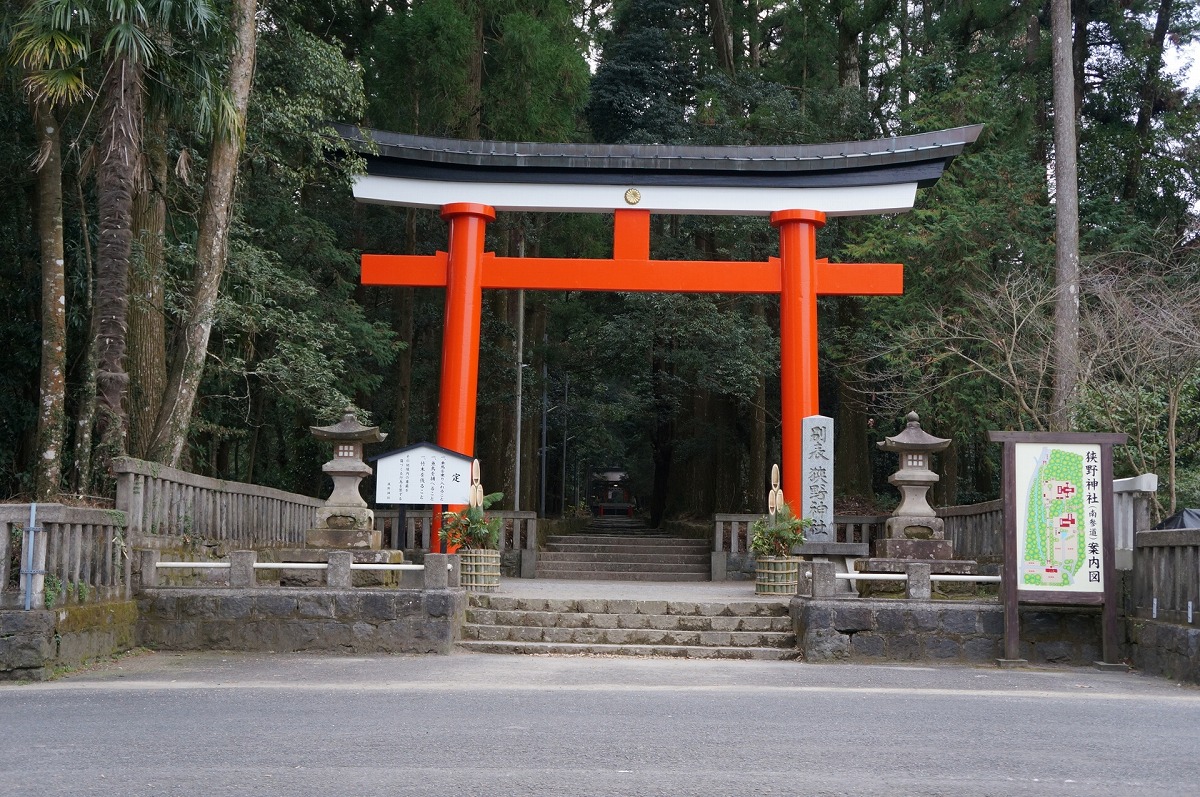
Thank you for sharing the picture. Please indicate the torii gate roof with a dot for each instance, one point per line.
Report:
(840, 179)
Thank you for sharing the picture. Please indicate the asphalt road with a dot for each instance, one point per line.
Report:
(470, 724)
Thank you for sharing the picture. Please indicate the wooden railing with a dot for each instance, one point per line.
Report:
(519, 530)
(80, 555)
(731, 532)
(167, 507)
(977, 530)
(1166, 575)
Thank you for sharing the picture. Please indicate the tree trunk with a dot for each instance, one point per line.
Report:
(1066, 199)
(119, 148)
(662, 448)
(721, 36)
(757, 470)
(216, 212)
(1148, 96)
(147, 314)
(85, 413)
(51, 408)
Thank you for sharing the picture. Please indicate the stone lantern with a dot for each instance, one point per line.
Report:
(914, 532)
(914, 518)
(345, 521)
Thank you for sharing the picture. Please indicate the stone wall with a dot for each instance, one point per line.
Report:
(285, 620)
(1165, 649)
(966, 632)
(34, 643)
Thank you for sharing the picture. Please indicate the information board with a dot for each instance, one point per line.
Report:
(1060, 499)
(422, 474)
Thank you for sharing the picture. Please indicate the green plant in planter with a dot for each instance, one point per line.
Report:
(471, 527)
(777, 537)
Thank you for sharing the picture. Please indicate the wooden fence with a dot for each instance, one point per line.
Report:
(170, 508)
(731, 532)
(519, 530)
(1166, 575)
(977, 531)
(80, 555)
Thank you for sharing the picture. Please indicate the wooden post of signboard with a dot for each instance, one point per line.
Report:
(1014, 565)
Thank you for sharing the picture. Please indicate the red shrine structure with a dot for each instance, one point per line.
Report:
(798, 187)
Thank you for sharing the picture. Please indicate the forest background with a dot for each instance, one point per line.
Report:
(179, 245)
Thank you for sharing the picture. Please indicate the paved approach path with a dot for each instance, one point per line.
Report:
(217, 724)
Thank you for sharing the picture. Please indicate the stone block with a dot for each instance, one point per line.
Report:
(443, 604)
(633, 621)
(315, 606)
(652, 607)
(889, 548)
(925, 619)
(902, 647)
(437, 573)
(819, 645)
(983, 650)
(866, 644)
(528, 567)
(25, 652)
(338, 574)
(960, 620)
(942, 648)
(36, 621)
(991, 621)
(716, 638)
(241, 569)
(720, 565)
(849, 618)
(235, 606)
(683, 607)
(817, 616)
(1053, 652)
(891, 620)
(378, 606)
(274, 606)
(622, 607)
(694, 623)
(355, 539)
(918, 585)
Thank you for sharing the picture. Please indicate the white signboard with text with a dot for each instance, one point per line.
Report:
(422, 474)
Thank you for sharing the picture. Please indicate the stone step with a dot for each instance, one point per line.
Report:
(627, 636)
(608, 575)
(624, 539)
(776, 624)
(741, 608)
(675, 651)
(628, 550)
(758, 629)
(576, 562)
(627, 555)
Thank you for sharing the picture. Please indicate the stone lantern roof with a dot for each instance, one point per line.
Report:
(348, 429)
(913, 438)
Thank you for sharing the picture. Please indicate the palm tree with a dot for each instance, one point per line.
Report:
(59, 39)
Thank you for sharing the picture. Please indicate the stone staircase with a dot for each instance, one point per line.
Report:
(619, 555)
(759, 629)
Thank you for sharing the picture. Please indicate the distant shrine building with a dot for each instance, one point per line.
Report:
(798, 187)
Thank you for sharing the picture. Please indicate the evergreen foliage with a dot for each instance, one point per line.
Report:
(680, 390)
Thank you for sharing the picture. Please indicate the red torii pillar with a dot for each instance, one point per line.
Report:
(797, 275)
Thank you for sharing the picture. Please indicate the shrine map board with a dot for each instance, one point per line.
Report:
(1058, 526)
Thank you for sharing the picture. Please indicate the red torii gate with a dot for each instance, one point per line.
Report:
(429, 172)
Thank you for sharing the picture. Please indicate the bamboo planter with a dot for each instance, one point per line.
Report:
(479, 569)
(777, 575)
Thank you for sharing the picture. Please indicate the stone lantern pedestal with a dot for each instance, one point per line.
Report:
(914, 532)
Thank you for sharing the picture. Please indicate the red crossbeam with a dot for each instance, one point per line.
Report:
(658, 276)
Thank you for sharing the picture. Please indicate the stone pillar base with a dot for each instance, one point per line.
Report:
(344, 539)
